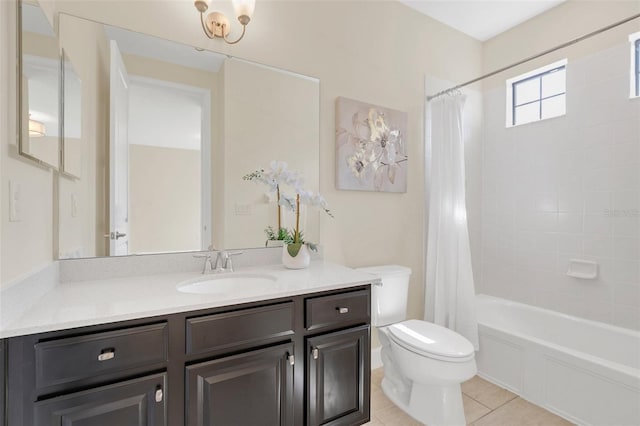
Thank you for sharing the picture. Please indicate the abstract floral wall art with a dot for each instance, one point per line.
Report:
(371, 147)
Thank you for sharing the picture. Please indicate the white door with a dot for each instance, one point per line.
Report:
(119, 155)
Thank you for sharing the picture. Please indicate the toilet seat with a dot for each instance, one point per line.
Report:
(431, 340)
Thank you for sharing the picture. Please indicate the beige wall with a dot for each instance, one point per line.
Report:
(82, 233)
(44, 148)
(39, 45)
(563, 23)
(268, 115)
(25, 245)
(166, 71)
(166, 213)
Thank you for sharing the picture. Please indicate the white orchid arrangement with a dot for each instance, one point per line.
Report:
(276, 178)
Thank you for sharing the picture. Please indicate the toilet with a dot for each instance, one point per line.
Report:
(424, 363)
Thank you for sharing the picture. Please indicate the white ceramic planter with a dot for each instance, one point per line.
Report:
(301, 261)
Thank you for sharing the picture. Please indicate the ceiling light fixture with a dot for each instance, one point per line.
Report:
(216, 24)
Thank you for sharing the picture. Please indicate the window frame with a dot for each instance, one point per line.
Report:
(540, 98)
(537, 73)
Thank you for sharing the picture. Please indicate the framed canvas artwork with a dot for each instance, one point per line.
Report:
(371, 147)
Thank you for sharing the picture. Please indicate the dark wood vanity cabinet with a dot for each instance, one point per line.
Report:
(302, 360)
(3, 382)
(338, 362)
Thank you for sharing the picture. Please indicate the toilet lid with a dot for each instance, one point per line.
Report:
(432, 340)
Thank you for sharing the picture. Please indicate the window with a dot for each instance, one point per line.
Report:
(537, 95)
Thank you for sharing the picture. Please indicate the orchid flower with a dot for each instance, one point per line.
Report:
(279, 175)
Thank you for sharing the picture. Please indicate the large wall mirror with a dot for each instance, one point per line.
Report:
(38, 88)
(165, 134)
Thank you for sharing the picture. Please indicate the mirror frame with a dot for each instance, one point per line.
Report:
(19, 102)
(62, 140)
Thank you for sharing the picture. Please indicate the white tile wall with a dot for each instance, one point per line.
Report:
(566, 188)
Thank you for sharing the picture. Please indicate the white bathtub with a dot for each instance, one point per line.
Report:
(585, 371)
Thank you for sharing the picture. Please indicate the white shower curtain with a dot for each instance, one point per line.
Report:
(449, 289)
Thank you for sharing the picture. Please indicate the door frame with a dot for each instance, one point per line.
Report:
(205, 148)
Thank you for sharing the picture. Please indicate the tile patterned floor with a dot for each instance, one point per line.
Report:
(485, 404)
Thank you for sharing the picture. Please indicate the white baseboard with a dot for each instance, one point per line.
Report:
(376, 357)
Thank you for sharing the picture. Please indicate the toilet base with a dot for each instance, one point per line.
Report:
(399, 399)
(434, 405)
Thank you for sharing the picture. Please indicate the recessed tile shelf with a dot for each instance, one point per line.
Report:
(583, 269)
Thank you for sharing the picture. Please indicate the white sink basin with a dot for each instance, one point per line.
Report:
(230, 283)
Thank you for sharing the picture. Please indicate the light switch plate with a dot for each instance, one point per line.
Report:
(15, 204)
(243, 209)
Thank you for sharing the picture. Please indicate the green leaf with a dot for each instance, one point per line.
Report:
(282, 234)
(271, 235)
(294, 249)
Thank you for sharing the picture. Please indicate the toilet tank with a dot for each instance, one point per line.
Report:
(389, 300)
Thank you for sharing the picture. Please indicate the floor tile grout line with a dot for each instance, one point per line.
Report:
(515, 395)
(485, 414)
(473, 399)
(493, 410)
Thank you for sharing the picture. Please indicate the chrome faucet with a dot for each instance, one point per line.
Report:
(223, 260)
(208, 266)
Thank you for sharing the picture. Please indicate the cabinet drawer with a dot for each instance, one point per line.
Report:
(239, 329)
(337, 310)
(72, 359)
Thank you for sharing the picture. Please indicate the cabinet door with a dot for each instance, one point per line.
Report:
(139, 402)
(338, 378)
(253, 388)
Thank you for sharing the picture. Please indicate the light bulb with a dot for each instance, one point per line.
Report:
(36, 128)
(244, 8)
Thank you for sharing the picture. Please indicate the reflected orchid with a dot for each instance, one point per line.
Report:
(275, 177)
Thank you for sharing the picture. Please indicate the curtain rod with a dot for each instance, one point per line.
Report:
(531, 58)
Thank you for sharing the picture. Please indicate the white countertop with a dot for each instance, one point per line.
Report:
(84, 303)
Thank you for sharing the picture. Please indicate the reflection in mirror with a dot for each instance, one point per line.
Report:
(39, 94)
(71, 119)
(180, 127)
